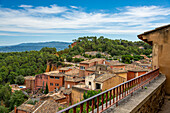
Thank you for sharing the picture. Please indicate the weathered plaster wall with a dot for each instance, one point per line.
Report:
(71, 83)
(90, 79)
(77, 94)
(39, 79)
(112, 82)
(54, 81)
(124, 75)
(161, 54)
(30, 84)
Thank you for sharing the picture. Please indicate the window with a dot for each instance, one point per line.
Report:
(56, 84)
(68, 86)
(51, 77)
(63, 71)
(82, 67)
(89, 83)
(98, 86)
(56, 77)
(51, 84)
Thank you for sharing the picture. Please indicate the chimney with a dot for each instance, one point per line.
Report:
(15, 109)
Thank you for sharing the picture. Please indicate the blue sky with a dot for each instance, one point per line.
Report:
(64, 20)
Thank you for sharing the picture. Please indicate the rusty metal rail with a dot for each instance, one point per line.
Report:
(112, 96)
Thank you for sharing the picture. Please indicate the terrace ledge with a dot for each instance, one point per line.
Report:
(149, 99)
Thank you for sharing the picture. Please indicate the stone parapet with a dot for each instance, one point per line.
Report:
(146, 100)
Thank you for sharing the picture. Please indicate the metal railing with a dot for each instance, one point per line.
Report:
(112, 96)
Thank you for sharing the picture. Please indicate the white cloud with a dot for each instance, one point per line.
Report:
(74, 7)
(57, 19)
(53, 9)
(147, 11)
(7, 34)
(26, 6)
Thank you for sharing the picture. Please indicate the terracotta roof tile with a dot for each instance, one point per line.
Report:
(104, 77)
(48, 106)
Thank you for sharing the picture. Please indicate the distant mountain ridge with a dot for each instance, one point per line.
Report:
(34, 46)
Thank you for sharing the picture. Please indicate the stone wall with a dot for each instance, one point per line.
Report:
(77, 94)
(154, 102)
(112, 82)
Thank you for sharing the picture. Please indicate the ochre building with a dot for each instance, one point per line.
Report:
(159, 38)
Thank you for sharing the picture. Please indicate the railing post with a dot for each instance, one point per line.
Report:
(113, 95)
(120, 93)
(128, 87)
(81, 108)
(67, 111)
(93, 105)
(106, 98)
(102, 100)
(123, 90)
(142, 81)
(138, 83)
(74, 109)
(117, 93)
(132, 87)
(87, 106)
(98, 104)
(110, 97)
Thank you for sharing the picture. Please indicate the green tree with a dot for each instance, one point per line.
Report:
(69, 58)
(19, 80)
(17, 99)
(49, 50)
(127, 59)
(46, 89)
(3, 109)
(11, 77)
(4, 73)
(78, 60)
(5, 93)
(98, 55)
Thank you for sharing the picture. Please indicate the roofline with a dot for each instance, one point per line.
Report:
(118, 65)
(138, 70)
(90, 70)
(120, 72)
(105, 79)
(150, 31)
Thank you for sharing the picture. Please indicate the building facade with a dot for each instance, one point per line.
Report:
(159, 38)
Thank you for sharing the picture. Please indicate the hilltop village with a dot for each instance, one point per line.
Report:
(60, 87)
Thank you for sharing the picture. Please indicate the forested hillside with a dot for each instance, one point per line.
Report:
(112, 47)
(14, 66)
(25, 63)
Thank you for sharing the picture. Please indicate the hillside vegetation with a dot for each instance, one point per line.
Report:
(112, 47)
(26, 63)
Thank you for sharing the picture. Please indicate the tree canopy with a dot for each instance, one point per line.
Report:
(112, 47)
(17, 98)
(26, 63)
(20, 80)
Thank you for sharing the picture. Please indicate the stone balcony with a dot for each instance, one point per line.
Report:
(146, 100)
